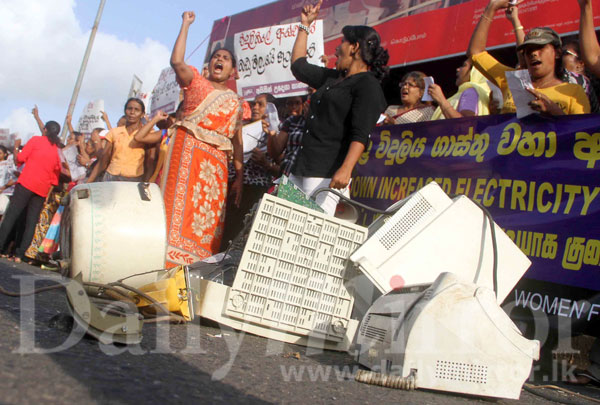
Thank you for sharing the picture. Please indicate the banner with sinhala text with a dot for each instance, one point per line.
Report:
(265, 56)
(539, 178)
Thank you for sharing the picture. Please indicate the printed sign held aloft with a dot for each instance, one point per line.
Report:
(5, 137)
(136, 87)
(165, 95)
(69, 156)
(91, 117)
(136, 91)
(264, 59)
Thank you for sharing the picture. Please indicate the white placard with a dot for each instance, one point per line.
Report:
(136, 87)
(91, 117)
(251, 134)
(4, 136)
(165, 95)
(428, 82)
(145, 97)
(518, 83)
(272, 117)
(264, 59)
(70, 156)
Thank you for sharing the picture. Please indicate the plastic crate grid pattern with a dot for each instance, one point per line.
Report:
(291, 275)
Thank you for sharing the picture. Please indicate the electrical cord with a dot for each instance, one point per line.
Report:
(109, 290)
(407, 383)
(242, 235)
(494, 243)
(58, 286)
(533, 389)
(167, 315)
(36, 291)
(352, 202)
(142, 274)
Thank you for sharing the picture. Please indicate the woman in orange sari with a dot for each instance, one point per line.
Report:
(194, 174)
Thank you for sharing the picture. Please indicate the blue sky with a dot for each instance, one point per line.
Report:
(44, 41)
(136, 20)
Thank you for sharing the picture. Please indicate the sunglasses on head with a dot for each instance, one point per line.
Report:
(571, 53)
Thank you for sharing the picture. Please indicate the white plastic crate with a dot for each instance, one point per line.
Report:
(293, 271)
(211, 299)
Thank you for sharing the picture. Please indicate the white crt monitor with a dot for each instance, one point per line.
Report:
(431, 234)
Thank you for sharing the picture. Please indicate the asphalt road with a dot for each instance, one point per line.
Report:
(190, 363)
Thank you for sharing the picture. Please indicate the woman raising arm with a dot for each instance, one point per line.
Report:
(343, 110)
(195, 173)
(541, 49)
(588, 42)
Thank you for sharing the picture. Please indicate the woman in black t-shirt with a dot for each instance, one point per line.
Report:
(343, 110)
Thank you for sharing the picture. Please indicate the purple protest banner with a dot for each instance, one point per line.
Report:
(537, 176)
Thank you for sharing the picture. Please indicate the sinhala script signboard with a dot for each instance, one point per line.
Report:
(264, 59)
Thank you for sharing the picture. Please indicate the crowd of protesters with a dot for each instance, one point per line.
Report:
(317, 143)
(196, 155)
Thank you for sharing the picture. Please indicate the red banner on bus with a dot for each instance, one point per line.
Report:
(411, 30)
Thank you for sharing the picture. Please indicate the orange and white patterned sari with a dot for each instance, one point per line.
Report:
(194, 176)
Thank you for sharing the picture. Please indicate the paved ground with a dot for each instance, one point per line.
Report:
(176, 364)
